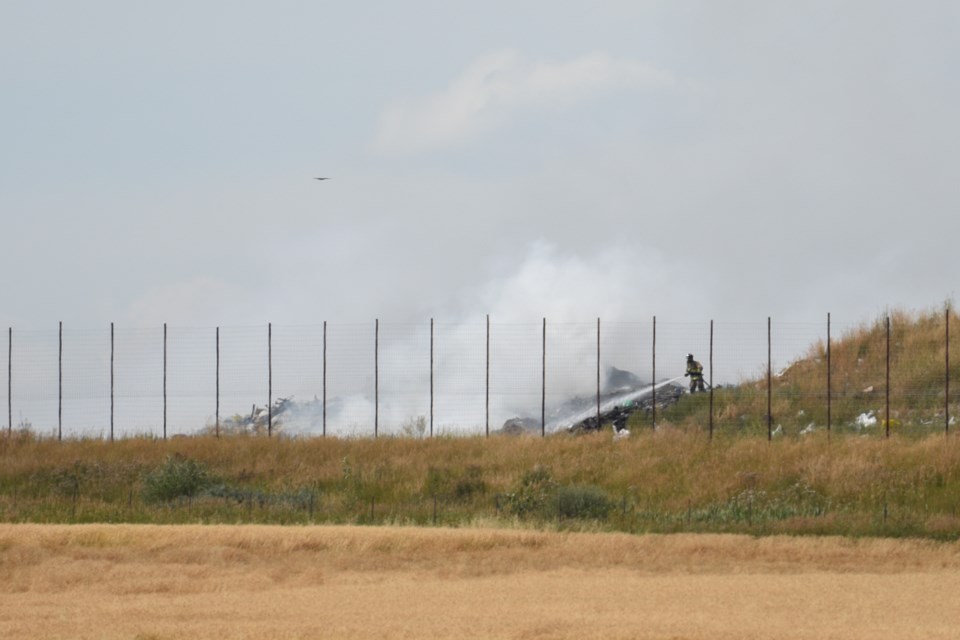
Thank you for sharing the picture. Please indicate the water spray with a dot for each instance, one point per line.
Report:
(620, 400)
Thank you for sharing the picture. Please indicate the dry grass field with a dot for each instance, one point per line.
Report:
(146, 581)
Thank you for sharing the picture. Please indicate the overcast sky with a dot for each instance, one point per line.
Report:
(694, 160)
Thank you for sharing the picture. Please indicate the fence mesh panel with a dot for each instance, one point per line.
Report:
(516, 372)
(35, 387)
(86, 382)
(460, 378)
(415, 379)
(191, 379)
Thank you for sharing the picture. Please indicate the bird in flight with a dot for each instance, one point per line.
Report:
(321, 178)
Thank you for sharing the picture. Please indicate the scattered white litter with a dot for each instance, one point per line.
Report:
(810, 428)
(866, 420)
(622, 434)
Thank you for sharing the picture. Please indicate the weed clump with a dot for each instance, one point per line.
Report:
(538, 495)
(583, 503)
(460, 487)
(532, 494)
(177, 477)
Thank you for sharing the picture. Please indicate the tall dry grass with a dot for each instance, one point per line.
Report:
(858, 383)
(671, 480)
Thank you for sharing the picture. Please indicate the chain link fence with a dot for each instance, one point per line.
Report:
(430, 378)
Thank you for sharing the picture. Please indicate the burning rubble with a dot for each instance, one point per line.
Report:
(620, 413)
(283, 412)
(623, 394)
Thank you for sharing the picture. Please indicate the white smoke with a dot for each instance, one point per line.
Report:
(622, 286)
(567, 294)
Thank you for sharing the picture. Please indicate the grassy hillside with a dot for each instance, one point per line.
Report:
(858, 385)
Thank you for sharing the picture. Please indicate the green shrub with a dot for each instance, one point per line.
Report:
(470, 484)
(533, 494)
(583, 502)
(437, 482)
(177, 477)
(444, 483)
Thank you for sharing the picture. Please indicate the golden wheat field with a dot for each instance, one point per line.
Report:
(131, 581)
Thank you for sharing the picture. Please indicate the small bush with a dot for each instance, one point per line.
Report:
(178, 477)
(437, 482)
(414, 427)
(470, 484)
(532, 495)
(444, 483)
(584, 503)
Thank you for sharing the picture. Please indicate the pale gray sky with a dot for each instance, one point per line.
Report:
(693, 160)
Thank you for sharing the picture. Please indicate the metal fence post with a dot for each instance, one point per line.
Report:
(60, 384)
(543, 385)
(10, 381)
(217, 418)
(164, 380)
(487, 398)
(711, 379)
(598, 376)
(324, 378)
(887, 392)
(111, 382)
(769, 382)
(946, 377)
(269, 379)
(431, 377)
(829, 381)
(654, 374)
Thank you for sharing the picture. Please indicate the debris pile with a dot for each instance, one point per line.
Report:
(520, 427)
(624, 393)
(620, 413)
(259, 420)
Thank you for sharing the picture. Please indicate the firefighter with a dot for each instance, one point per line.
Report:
(695, 373)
